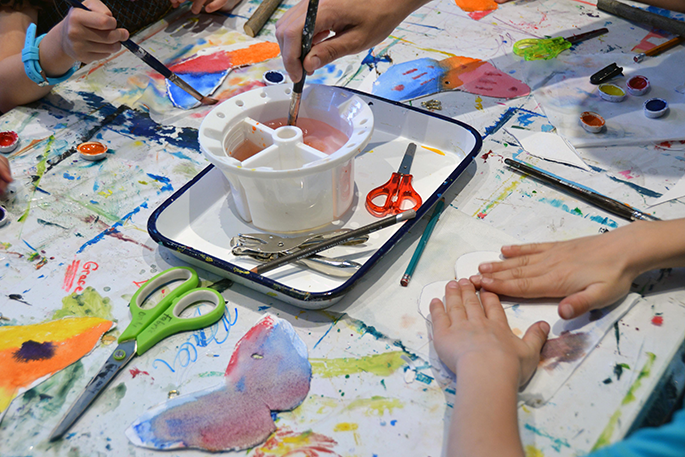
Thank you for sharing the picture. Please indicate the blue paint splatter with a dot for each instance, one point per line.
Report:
(503, 119)
(639, 189)
(69, 177)
(373, 61)
(556, 442)
(32, 350)
(113, 229)
(164, 180)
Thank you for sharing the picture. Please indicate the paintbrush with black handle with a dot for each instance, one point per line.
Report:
(155, 64)
(307, 36)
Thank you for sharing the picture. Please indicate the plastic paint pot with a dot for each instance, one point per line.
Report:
(655, 107)
(4, 217)
(8, 141)
(611, 93)
(92, 150)
(592, 122)
(638, 85)
(273, 77)
(284, 184)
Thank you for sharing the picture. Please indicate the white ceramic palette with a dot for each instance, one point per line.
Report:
(199, 220)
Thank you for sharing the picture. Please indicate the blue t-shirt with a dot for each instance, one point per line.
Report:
(665, 441)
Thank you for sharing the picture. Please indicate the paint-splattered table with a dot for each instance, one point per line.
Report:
(77, 245)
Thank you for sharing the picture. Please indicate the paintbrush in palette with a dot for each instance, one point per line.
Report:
(307, 36)
(155, 64)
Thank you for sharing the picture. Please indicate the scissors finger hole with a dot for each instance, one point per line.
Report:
(196, 303)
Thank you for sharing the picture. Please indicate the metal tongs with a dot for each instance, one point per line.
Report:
(265, 247)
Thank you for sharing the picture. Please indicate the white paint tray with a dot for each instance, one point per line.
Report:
(199, 220)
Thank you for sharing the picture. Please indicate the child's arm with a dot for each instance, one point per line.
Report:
(5, 174)
(590, 272)
(475, 341)
(83, 36)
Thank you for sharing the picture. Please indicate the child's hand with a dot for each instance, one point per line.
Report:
(209, 5)
(5, 174)
(87, 36)
(468, 335)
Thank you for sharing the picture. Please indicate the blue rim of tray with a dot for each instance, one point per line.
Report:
(344, 287)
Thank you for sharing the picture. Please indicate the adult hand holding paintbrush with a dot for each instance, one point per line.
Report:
(155, 64)
(306, 46)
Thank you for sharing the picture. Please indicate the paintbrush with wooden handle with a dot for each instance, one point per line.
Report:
(307, 36)
(155, 64)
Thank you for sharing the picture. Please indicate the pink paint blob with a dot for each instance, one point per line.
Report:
(658, 320)
(316, 134)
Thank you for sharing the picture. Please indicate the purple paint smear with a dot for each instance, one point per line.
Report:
(268, 371)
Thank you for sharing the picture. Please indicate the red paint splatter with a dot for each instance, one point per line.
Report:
(135, 372)
(418, 76)
(658, 320)
(287, 442)
(70, 275)
(410, 71)
(481, 215)
(486, 156)
(398, 87)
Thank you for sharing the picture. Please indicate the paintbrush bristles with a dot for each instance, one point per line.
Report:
(209, 101)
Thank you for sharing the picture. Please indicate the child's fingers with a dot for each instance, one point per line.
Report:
(474, 310)
(439, 317)
(594, 296)
(525, 249)
(536, 336)
(453, 302)
(492, 306)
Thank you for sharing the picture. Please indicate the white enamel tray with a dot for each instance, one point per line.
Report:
(199, 220)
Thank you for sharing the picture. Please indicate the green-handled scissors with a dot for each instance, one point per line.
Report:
(548, 48)
(147, 328)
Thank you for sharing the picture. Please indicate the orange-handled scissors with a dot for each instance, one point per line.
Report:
(396, 191)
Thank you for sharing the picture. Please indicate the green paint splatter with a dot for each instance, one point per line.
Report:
(97, 209)
(47, 399)
(605, 437)
(111, 398)
(376, 405)
(645, 372)
(557, 443)
(186, 169)
(89, 303)
(379, 364)
(210, 374)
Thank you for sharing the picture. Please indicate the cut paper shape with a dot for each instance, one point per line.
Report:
(477, 9)
(675, 192)
(568, 344)
(31, 353)
(207, 70)
(268, 371)
(549, 146)
(426, 76)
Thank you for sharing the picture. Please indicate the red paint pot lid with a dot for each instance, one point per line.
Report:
(8, 139)
(638, 82)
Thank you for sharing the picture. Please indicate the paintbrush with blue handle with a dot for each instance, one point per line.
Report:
(307, 36)
(155, 64)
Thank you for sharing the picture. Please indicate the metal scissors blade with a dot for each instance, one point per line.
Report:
(119, 358)
(408, 159)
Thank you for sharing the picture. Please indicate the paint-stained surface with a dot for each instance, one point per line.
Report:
(268, 371)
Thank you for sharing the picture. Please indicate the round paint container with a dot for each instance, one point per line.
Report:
(273, 77)
(8, 141)
(4, 216)
(611, 93)
(638, 85)
(592, 122)
(92, 150)
(655, 107)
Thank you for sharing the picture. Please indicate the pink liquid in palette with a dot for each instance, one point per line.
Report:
(316, 134)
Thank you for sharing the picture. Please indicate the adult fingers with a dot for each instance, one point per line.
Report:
(492, 306)
(474, 310)
(453, 302)
(441, 320)
(593, 297)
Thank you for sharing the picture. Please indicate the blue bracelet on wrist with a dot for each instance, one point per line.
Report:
(30, 55)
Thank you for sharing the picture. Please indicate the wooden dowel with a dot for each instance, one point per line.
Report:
(260, 17)
(641, 16)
